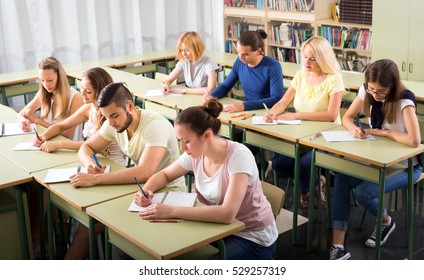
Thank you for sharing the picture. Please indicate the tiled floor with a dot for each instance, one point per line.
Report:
(394, 249)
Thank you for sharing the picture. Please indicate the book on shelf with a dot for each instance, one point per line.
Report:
(168, 198)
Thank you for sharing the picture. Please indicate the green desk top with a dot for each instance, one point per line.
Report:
(382, 152)
(11, 78)
(222, 58)
(161, 240)
(81, 198)
(12, 174)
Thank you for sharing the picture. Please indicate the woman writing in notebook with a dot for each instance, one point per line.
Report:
(93, 81)
(56, 99)
(316, 92)
(390, 108)
(227, 181)
(199, 70)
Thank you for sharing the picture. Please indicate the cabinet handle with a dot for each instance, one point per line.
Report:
(403, 66)
(411, 68)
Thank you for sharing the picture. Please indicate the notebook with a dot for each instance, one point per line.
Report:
(10, 129)
(343, 136)
(26, 146)
(60, 175)
(260, 120)
(168, 198)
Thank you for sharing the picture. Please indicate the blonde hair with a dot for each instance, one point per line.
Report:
(62, 87)
(324, 54)
(193, 42)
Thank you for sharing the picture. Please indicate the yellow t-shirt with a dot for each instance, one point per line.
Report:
(315, 98)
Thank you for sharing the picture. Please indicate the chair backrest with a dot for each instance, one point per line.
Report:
(275, 196)
(143, 69)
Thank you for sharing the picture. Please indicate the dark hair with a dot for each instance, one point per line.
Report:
(386, 73)
(114, 93)
(200, 118)
(253, 39)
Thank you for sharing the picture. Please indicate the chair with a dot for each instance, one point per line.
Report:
(275, 196)
(142, 70)
(18, 90)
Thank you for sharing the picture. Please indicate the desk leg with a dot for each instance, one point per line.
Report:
(92, 238)
(50, 227)
(221, 249)
(22, 223)
(108, 246)
(311, 203)
(41, 223)
(380, 213)
(409, 206)
(296, 192)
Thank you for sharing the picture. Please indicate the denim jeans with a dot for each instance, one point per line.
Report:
(238, 248)
(366, 193)
(284, 166)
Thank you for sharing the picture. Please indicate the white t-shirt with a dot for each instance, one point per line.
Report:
(196, 76)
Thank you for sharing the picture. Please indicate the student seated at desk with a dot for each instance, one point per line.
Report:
(260, 76)
(55, 98)
(146, 137)
(93, 81)
(227, 181)
(199, 70)
(390, 108)
(316, 92)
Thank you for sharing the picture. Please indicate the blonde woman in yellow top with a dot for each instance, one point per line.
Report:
(55, 99)
(316, 92)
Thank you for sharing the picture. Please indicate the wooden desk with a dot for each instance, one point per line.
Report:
(369, 160)
(75, 201)
(153, 56)
(144, 240)
(282, 139)
(16, 83)
(13, 176)
(7, 113)
(222, 58)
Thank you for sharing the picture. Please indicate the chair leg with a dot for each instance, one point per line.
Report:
(363, 219)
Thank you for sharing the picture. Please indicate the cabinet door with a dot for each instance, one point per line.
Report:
(390, 25)
(415, 66)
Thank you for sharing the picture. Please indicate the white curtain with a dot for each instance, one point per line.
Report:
(79, 30)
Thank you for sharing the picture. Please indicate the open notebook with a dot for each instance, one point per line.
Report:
(260, 120)
(60, 175)
(10, 129)
(168, 198)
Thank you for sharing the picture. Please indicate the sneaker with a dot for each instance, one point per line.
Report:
(337, 253)
(386, 230)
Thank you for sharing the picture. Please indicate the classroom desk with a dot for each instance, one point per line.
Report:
(13, 176)
(144, 240)
(368, 160)
(133, 82)
(75, 201)
(152, 56)
(17, 83)
(7, 113)
(222, 58)
(283, 139)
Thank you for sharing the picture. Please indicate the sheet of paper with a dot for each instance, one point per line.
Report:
(260, 120)
(169, 198)
(25, 146)
(158, 92)
(157, 198)
(57, 175)
(14, 129)
(343, 136)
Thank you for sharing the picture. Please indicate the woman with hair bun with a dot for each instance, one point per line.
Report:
(227, 181)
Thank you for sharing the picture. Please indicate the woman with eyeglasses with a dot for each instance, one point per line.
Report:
(390, 109)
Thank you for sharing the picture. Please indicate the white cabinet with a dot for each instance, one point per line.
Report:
(398, 29)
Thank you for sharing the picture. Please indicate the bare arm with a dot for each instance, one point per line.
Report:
(224, 213)
(27, 114)
(75, 105)
(281, 106)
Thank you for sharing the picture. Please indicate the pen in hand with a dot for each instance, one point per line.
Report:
(141, 189)
(96, 160)
(360, 126)
(37, 135)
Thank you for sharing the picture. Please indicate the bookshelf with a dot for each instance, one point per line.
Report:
(290, 22)
(398, 35)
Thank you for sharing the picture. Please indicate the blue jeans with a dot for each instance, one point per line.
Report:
(366, 193)
(284, 166)
(238, 248)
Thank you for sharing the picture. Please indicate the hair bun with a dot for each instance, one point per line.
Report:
(213, 107)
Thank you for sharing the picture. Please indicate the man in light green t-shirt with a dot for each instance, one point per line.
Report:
(146, 137)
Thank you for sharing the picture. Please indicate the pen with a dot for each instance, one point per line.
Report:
(360, 126)
(315, 136)
(141, 189)
(165, 221)
(96, 160)
(36, 134)
(78, 168)
(266, 108)
(2, 129)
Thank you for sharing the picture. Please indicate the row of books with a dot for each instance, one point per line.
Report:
(292, 5)
(234, 30)
(286, 55)
(351, 38)
(291, 34)
(356, 11)
(350, 61)
(259, 4)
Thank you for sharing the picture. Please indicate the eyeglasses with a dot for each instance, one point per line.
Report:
(379, 92)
